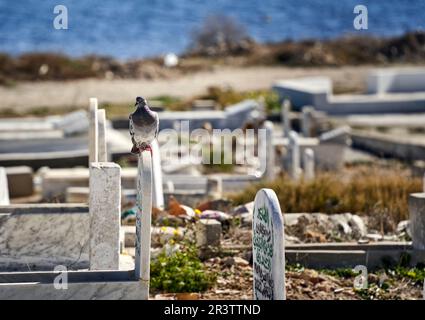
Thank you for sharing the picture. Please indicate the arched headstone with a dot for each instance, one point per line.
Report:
(268, 247)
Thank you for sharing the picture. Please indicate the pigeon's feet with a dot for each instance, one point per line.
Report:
(138, 150)
(135, 150)
(148, 147)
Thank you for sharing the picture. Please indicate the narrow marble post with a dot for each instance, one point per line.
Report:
(93, 131)
(270, 154)
(143, 219)
(103, 153)
(294, 148)
(158, 192)
(307, 121)
(105, 215)
(4, 189)
(308, 164)
(286, 110)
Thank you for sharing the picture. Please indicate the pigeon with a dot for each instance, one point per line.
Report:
(144, 126)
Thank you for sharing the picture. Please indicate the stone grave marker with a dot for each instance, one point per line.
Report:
(307, 121)
(4, 189)
(286, 109)
(294, 148)
(268, 247)
(143, 218)
(93, 131)
(270, 153)
(102, 149)
(308, 164)
(158, 192)
(105, 215)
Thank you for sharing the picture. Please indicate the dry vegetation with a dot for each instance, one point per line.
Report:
(376, 192)
(227, 45)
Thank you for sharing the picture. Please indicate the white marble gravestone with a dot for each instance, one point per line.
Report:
(158, 192)
(295, 160)
(105, 215)
(4, 189)
(286, 109)
(307, 121)
(270, 153)
(103, 152)
(268, 247)
(93, 131)
(143, 219)
(308, 164)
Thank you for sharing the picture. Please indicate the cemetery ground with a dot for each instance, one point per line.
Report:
(375, 193)
(174, 93)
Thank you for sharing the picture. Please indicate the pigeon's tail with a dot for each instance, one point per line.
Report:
(135, 150)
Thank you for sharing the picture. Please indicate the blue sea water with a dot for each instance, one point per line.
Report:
(139, 28)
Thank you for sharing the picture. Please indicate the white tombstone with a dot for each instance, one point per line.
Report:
(102, 149)
(308, 164)
(294, 147)
(268, 248)
(76, 122)
(4, 189)
(286, 110)
(105, 215)
(270, 153)
(158, 192)
(143, 219)
(93, 131)
(307, 121)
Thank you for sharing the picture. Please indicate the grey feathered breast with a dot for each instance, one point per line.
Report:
(144, 126)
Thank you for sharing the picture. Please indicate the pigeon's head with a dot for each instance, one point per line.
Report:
(140, 102)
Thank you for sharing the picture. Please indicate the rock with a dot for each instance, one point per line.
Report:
(219, 205)
(174, 207)
(240, 261)
(363, 241)
(245, 208)
(168, 249)
(228, 262)
(404, 226)
(341, 222)
(390, 237)
(177, 209)
(213, 214)
(208, 233)
(20, 181)
(357, 225)
(162, 235)
(169, 220)
(291, 239)
(315, 236)
(374, 237)
(291, 219)
(246, 219)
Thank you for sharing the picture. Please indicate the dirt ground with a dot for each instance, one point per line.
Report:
(26, 95)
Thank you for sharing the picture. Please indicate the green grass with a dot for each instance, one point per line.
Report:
(182, 272)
